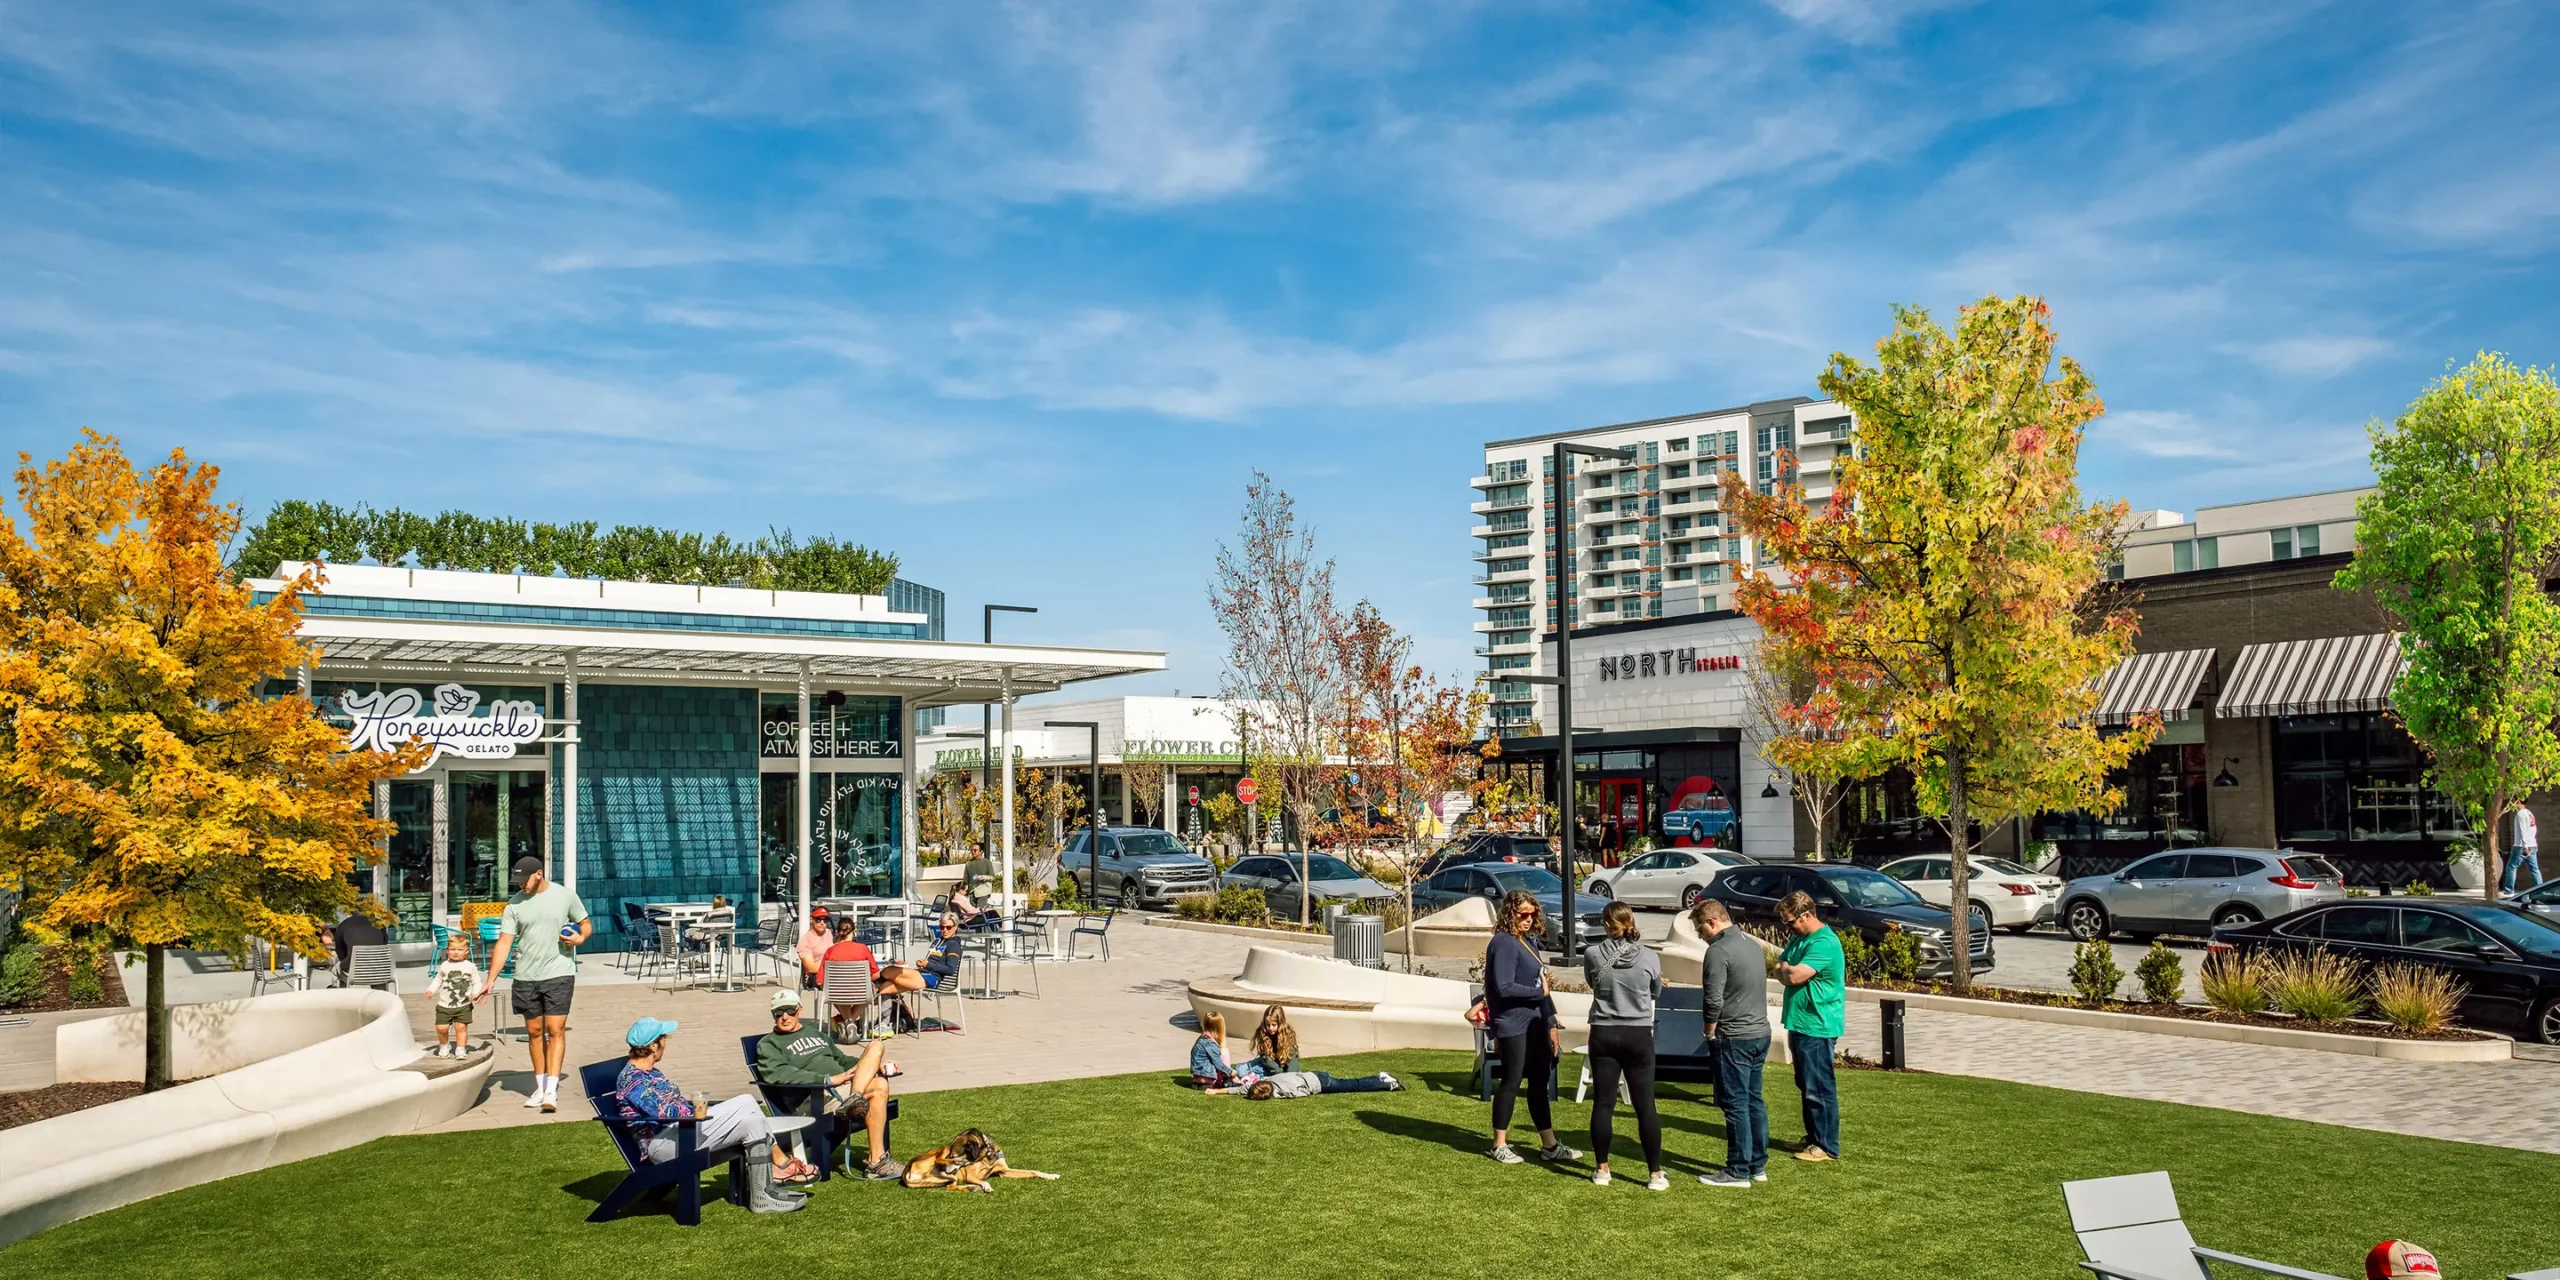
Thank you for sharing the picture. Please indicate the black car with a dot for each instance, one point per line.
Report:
(1870, 902)
(1493, 881)
(1490, 846)
(2507, 958)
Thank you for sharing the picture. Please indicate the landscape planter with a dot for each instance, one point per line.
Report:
(2489, 1048)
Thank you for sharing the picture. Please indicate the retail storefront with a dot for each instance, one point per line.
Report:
(1666, 749)
(1185, 752)
(671, 714)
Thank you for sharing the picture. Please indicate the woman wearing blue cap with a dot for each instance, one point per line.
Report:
(737, 1127)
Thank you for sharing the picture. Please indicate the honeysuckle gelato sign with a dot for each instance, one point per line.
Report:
(389, 719)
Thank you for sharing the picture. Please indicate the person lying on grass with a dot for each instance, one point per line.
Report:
(1307, 1084)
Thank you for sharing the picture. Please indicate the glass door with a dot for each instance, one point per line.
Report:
(495, 817)
(412, 861)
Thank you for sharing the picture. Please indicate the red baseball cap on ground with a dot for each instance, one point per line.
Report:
(2399, 1260)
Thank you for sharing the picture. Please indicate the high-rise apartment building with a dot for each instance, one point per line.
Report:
(1647, 538)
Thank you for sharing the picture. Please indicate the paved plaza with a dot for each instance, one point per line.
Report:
(1092, 1018)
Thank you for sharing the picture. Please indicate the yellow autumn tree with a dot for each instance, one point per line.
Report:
(150, 797)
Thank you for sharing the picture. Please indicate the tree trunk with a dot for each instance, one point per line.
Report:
(2492, 846)
(155, 1018)
(1960, 873)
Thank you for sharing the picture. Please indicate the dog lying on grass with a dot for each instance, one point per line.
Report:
(966, 1163)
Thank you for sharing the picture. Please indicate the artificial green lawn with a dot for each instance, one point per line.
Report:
(1945, 1177)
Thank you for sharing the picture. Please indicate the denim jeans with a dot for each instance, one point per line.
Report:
(2520, 869)
(1746, 1113)
(1812, 1055)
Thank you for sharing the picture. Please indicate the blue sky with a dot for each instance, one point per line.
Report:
(1024, 293)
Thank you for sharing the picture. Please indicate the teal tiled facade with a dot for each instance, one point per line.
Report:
(667, 798)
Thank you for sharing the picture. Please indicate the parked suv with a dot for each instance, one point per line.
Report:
(1847, 897)
(2196, 891)
(1139, 866)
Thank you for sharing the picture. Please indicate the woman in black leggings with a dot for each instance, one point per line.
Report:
(1522, 1020)
(1625, 978)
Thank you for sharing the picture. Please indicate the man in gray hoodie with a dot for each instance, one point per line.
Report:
(1736, 1007)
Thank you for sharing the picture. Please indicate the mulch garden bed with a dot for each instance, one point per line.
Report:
(57, 991)
(2188, 1012)
(31, 1105)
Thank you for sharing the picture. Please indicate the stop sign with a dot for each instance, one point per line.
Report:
(1245, 791)
(1195, 795)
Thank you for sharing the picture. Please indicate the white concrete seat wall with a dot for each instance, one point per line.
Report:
(294, 1075)
(1461, 929)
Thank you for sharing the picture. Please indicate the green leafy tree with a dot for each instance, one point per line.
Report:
(2456, 542)
(1947, 593)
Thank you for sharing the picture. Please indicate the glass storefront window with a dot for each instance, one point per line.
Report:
(494, 819)
(853, 836)
(863, 728)
(412, 860)
(2356, 777)
(2163, 804)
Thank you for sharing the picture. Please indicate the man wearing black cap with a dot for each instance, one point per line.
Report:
(543, 921)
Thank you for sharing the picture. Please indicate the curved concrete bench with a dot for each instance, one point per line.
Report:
(292, 1075)
(1462, 929)
(1343, 1008)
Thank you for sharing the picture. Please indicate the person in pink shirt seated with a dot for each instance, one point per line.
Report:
(813, 951)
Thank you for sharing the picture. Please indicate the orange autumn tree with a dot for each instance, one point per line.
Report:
(149, 797)
(1947, 596)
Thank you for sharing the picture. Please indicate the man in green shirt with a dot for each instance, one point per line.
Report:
(1817, 1003)
(542, 922)
(808, 1058)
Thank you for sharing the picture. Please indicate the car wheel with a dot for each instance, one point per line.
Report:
(1981, 914)
(1597, 888)
(2544, 1026)
(2234, 917)
(2085, 919)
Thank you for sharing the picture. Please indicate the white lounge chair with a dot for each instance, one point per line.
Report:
(2130, 1228)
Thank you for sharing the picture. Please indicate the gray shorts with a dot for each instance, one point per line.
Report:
(544, 998)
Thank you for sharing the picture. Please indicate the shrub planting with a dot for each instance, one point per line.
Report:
(2416, 998)
(21, 974)
(1857, 959)
(1196, 906)
(2316, 986)
(2234, 983)
(1241, 906)
(1897, 958)
(85, 986)
(2094, 972)
(2163, 974)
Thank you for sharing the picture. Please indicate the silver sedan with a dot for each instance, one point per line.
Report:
(1276, 874)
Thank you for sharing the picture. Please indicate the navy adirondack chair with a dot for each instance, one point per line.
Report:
(684, 1173)
(830, 1133)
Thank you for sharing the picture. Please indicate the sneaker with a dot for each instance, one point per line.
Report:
(1722, 1179)
(551, 1099)
(533, 1098)
(884, 1169)
(1599, 1177)
(1815, 1155)
(1657, 1182)
(1505, 1155)
(1393, 1085)
(1760, 1177)
(1558, 1154)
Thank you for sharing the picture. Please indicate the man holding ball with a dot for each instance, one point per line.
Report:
(543, 922)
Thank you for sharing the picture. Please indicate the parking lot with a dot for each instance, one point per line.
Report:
(2039, 960)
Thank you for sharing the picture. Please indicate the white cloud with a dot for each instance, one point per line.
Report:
(1862, 21)
(2163, 433)
(2314, 356)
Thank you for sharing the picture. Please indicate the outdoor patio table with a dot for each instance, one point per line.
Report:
(988, 950)
(1056, 924)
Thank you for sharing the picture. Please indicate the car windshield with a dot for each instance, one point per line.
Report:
(1860, 887)
(1322, 866)
(1534, 879)
(1147, 843)
(2000, 867)
(2522, 930)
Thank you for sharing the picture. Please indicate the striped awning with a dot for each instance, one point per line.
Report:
(2313, 677)
(2144, 683)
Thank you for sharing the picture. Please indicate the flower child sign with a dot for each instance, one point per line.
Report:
(388, 719)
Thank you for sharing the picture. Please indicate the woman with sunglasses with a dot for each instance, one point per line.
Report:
(1520, 1015)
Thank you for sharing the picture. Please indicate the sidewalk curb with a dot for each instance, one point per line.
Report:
(2497, 1049)
(1241, 931)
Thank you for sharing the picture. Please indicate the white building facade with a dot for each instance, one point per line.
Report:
(1195, 740)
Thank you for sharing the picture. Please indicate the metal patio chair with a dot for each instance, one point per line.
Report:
(370, 966)
(2130, 1228)
(848, 985)
(679, 963)
(272, 966)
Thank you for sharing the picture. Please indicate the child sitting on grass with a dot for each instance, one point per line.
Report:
(1307, 1084)
(1209, 1067)
(452, 985)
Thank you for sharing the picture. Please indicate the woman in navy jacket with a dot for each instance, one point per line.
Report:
(1521, 1017)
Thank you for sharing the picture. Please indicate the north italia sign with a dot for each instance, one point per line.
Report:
(1664, 662)
(389, 719)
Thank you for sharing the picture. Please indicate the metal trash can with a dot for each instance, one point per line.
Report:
(1331, 913)
(1361, 940)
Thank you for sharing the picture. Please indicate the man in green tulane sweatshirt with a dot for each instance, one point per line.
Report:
(808, 1058)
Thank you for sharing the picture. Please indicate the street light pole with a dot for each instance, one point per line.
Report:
(986, 761)
(1569, 505)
